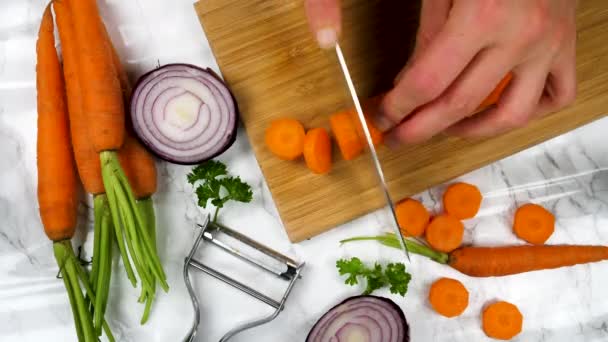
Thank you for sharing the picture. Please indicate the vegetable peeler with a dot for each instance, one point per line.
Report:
(209, 232)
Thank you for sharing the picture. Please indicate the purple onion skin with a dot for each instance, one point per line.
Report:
(169, 158)
(406, 327)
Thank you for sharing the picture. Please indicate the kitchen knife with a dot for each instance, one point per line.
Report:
(372, 149)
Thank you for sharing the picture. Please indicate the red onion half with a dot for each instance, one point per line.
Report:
(183, 114)
(362, 319)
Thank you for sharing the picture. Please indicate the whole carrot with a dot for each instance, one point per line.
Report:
(57, 180)
(501, 261)
(103, 102)
(89, 169)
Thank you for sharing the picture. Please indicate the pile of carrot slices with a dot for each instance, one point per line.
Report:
(287, 139)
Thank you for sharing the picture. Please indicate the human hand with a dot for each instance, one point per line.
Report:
(463, 49)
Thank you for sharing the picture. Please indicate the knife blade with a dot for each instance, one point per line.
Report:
(372, 149)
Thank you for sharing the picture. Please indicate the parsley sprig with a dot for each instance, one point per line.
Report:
(393, 276)
(215, 185)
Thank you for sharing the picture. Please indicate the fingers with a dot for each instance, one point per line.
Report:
(428, 76)
(518, 104)
(459, 101)
(561, 83)
(324, 18)
(433, 15)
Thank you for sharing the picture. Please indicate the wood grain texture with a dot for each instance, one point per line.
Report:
(271, 63)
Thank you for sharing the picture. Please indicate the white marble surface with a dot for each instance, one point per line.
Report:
(568, 174)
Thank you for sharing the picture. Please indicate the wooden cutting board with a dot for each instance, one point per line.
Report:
(272, 65)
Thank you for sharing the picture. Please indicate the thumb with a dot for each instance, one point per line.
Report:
(324, 18)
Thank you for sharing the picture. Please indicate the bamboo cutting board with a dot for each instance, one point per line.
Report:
(272, 65)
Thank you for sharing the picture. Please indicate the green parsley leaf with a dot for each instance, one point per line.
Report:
(206, 171)
(398, 278)
(353, 267)
(395, 276)
(214, 184)
(237, 189)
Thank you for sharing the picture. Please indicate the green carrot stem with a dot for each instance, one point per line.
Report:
(85, 280)
(98, 203)
(155, 261)
(108, 182)
(81, 307)
(105, 258)
(146, 208)
(133, 243)
(390, 240)
(108, 234)
(59, 249)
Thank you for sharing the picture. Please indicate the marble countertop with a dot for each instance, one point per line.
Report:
(568, 174)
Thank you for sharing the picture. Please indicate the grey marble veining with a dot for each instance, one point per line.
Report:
(568, 174)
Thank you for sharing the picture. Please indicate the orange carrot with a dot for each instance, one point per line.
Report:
(502, 261)
(285, 138)
(462, 200)
(57, 180)
(444, 233)
(533, 223)
(125, 85)
(101, 91)
(499, 261)
(376, 135)
(494, 96)
(502, 320)
(448, 297)
(139, 167)
(412, 216)
(345, 131)
(317, 150)
(87, 159)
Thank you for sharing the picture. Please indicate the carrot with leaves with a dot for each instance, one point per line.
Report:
(500, 261)
(57, 179)
(89, 167)
(99, 74)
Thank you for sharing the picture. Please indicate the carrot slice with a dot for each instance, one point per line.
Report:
(533, 223)
(285, 138)
(462, 200)
(448, 297)
(494, 96)
(317, 150)
(502, 320)
(376, 135)
(444, 233)
(412, 217)
(345, 132)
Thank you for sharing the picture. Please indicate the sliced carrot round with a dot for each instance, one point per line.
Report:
(317, 150)
(444, 233)
(448, 297)
(462, 200)
(502, 320)
(344, 129)
(285, 138)
(412, 217)
(533, 223)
